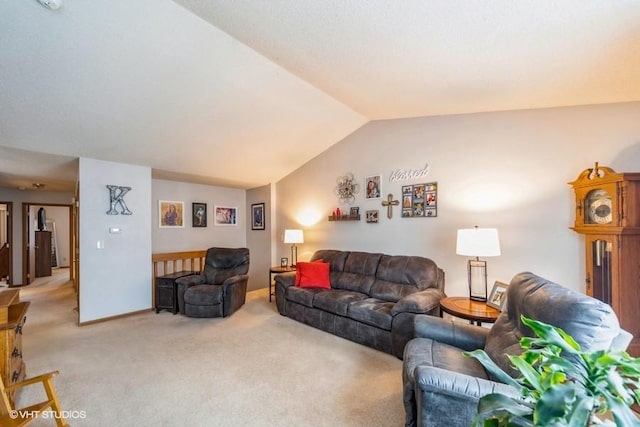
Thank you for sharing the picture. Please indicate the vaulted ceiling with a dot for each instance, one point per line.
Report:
(243, 92)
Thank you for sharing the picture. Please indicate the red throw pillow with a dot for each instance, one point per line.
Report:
(313, 275)
(297, 280)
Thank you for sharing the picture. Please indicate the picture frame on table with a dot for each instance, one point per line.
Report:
(198, 214)
(284, 262)
(257, 216)
(498, 296)
(170, 214)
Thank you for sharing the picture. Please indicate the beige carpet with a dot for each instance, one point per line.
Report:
(255, 368)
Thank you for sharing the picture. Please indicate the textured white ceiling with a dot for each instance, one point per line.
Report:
(242, 92)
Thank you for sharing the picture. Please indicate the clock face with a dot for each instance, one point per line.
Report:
(598, 207)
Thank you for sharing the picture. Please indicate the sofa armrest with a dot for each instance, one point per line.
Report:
(446, 331)
(441, 393)
(423, 302)
(285, 279)
(234, 280)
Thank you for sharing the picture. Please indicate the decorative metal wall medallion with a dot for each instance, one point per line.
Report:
(346, 189)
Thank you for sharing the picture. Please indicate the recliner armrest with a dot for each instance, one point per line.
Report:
(423, 302)
(457, 385)
(234, 280)
(194, 279)
(465, 337)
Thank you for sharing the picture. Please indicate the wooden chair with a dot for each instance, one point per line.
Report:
(11, 416)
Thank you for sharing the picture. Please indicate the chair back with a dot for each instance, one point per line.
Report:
(591, 322)
(223, 263)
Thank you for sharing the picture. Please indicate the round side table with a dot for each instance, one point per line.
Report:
(473, 311)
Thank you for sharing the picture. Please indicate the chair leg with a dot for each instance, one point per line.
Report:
(55, 404)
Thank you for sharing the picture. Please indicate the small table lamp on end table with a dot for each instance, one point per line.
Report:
(477, 242)
(293, 236)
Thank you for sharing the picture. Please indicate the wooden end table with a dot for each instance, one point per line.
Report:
(466, 308)
(276, 270)
(167, 290)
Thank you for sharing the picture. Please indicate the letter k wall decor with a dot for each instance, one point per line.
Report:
(116, 198)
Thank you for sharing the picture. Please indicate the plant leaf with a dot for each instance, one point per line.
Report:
(494, 369)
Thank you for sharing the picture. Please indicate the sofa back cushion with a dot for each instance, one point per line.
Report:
(592, 323)
(335, 259)
(398, 276)
(358, 273)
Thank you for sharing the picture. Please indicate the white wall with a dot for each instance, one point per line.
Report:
(259, 241)
(197, 238)
(506, 169)
(116, 279)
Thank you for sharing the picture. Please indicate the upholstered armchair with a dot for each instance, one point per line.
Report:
(221, 289)
(442, 386)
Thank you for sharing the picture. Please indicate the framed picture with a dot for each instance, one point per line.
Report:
(420, 200)
(257, 216)
(226, 215)
(354, 212)
(498, 296)
(198, 214)
(170, 214)
(284, 262)
(372, 187)
(372, 216)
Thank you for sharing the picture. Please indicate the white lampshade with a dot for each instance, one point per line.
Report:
(478, 242)
(293, 236)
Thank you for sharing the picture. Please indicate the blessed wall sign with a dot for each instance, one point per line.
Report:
(406, 174)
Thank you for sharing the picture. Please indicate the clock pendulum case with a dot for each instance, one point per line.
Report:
(607, 212)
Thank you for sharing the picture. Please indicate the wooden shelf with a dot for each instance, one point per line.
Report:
(345, 218)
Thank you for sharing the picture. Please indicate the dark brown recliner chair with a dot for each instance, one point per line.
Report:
(221, 289)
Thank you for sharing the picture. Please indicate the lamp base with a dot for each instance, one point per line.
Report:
(477, 271)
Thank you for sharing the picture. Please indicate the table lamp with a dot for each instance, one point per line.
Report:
(293, 236)
(477, 242)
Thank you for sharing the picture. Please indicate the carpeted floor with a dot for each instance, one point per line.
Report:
(255, 368)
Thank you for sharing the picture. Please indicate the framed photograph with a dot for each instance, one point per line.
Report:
(170, 214)
(372, 187)
(284, 262)
(354, 212)
(257, 216)
(198, 214)
(498, 296)
(225, 215)
(420, 200)
(372, 216)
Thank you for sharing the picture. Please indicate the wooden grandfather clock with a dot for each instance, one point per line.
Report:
(607, 206)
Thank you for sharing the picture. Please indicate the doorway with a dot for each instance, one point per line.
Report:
(47, 236)
(6, 243)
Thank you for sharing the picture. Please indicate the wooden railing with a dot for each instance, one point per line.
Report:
(171, 262)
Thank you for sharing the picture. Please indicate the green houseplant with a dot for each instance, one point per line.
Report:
(561, 385)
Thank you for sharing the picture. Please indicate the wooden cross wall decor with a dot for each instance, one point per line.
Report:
(389, 204)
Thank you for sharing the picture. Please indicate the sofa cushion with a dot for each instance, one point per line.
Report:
(313, 275)
(372, 311)
(302, 296)
(336, 300)
(203, 295)
(398, 276)
(359, 272)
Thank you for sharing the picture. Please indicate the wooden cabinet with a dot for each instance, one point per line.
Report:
(13, 315)
(608, 214)
(167, 291)
(43, 253)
